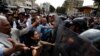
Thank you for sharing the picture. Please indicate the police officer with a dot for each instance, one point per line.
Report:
(91, 46)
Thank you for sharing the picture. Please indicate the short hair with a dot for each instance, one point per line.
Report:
(2, 18)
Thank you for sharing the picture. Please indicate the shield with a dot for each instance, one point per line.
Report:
(63, 43)
(92, 36)
(64, 33)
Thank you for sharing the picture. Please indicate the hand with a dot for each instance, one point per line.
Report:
(36, 47)
(36, 23)
(36, 50)
(18, 46)
(53, 44)
(37, 20)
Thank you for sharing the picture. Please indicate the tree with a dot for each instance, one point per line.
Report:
(96, 12)
(97, 3)
(52, 9)
(65, 4)
(61, 10)
(38, 10)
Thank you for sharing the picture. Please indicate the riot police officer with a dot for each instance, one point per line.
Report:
(91, 46)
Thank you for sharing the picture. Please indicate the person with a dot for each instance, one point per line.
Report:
(21, 23)
(10, 19)
(80, 24)
(91, 46)
(46, 30)
(34, 40)
(67, 43)
(11, 46)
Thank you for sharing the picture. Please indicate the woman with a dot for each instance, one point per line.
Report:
(35, 43)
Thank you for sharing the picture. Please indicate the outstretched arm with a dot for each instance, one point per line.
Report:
(47, 43)
(16, 47)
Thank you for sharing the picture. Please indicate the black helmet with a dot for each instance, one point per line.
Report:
(62, 17)
(92, 36)
(80, 22)
(68, 23)
(97, 27)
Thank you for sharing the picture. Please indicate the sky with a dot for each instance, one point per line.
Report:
(57, 3)
(88, 2)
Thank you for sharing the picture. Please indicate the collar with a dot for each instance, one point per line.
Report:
(4, 35)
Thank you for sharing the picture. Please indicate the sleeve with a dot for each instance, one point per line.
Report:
(28, 22)
(47, 26)
(1, 45)
(45, 43)
(1, 50)
(25, 30)
(14, 25)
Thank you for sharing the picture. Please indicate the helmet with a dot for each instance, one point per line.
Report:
(68, 23)
(97, 27)
(81, 23)
(92, 36)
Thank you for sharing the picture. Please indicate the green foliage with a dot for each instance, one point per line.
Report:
(52, 9)
(61, 10)
(65, 4)
(97, 3)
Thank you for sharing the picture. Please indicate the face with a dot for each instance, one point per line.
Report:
(10, 18)
(21, 17)
(38, 19)
(44, 20)
(36, 35)
(33, 14)
(5, 27)
(53, 18)
(72, 27)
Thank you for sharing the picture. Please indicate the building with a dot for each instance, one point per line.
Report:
(71, 4)
(85, 10)
(20, 3)
(45, 7)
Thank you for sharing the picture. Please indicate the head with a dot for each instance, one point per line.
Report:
(53, 18)
(44, 20)
(33, 13)
(92, 38)
(4, 25)
(9, 17)
(38, 19)
(35, 35)
(21, 16)
(69, 24)
(80, 24)
(27, 16)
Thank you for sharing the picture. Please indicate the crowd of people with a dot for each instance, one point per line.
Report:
(33, 34)
(25, 30)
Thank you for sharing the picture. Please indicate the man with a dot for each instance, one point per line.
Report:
(46, 29)
(9, 40)
(21, 23)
